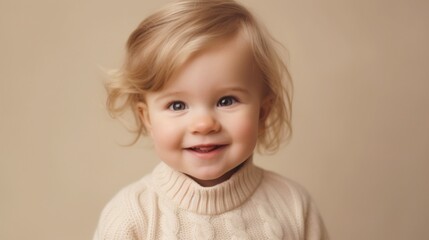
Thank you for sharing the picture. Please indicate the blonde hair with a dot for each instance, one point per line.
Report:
(164, 41)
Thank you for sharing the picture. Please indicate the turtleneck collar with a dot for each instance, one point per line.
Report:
(189, 195)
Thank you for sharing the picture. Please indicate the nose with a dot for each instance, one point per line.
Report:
(204, 124)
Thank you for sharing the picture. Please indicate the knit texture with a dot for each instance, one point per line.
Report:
(252, 204)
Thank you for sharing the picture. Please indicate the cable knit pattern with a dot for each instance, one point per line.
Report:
(272, 226)
(169, 220)
(203, 229)
(235, 224)
(252, 204)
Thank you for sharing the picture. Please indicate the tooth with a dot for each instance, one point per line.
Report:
(204, 149)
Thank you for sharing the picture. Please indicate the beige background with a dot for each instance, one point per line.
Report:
(361, 113)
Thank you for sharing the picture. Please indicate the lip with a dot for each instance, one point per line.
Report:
(206, 151)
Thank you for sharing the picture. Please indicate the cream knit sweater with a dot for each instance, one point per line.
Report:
(252, 204)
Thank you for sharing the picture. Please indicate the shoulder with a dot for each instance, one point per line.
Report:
(286, 191)
(284, 186)
(123, 216)
(294, 197)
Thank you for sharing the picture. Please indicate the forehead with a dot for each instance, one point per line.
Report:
(228, 58)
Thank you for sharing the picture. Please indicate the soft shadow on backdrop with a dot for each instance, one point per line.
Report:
(361, 113)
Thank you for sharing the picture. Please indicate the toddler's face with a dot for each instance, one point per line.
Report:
(205, 121)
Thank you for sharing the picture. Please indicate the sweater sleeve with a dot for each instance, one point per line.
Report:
(313, 226)
(117, 220)
(297, 205)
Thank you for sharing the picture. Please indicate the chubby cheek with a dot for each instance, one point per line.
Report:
(244, 130)
(165, 136)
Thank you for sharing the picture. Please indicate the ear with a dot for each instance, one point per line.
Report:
(143, 113)
(264, 112)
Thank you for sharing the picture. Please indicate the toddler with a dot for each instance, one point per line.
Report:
(205, 82)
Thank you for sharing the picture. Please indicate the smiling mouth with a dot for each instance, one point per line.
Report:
(205, 148)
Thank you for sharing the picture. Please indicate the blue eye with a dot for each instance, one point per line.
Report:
(226, 101)
(177, 106)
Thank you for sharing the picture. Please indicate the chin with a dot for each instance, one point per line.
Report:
(209, 177)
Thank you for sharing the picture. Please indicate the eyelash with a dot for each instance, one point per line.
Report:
(180, 105)
(231, 98)
(172, 105)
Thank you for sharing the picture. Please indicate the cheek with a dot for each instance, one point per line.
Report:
(245, 128)
(165, 135)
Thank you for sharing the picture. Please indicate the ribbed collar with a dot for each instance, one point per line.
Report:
(188, 194)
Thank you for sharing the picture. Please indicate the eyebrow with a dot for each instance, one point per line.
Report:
(168, 95)
(179, 93)
(237, 89)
